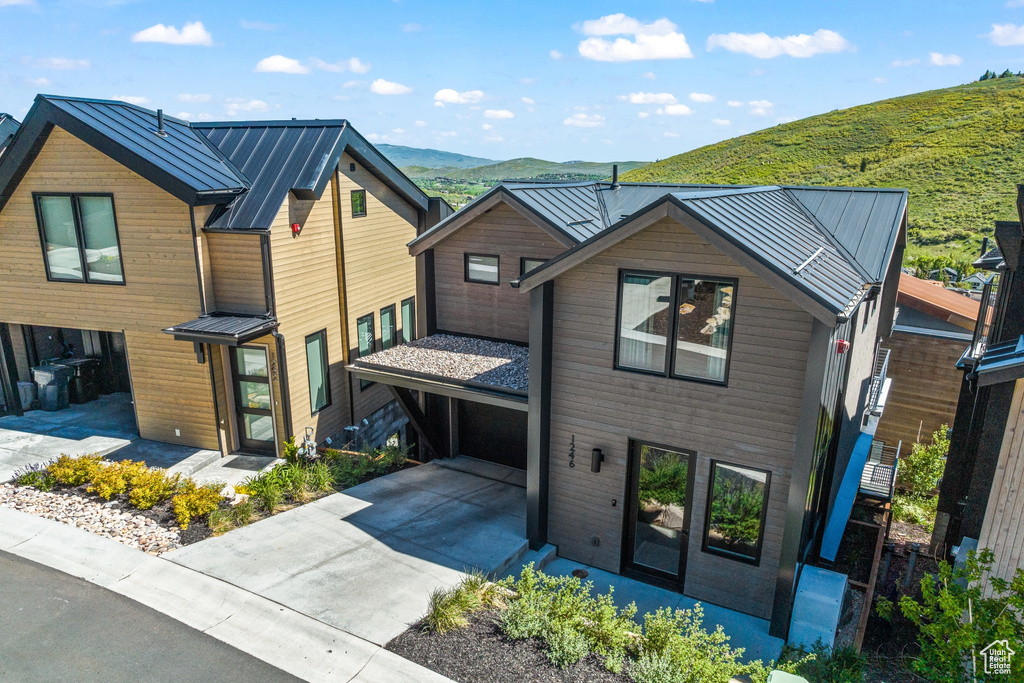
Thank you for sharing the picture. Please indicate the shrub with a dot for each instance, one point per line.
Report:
(221, 520)
(913, 509)
(566, 645)
(320, 477)
(653, 667)
(294, 481)
(36, 476)
(523, 619)
(151, 486)
(919, 472)
(828, 665)
(447, 610)
(112, 479)
(265, 490)
(71, 471)
(193, 501)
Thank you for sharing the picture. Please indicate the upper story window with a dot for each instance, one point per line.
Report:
(387, 327)
(316, 369)
(358, 203)
(79, 237)
(528, 264)
(696, 313)
(482, 268)
(408, 319)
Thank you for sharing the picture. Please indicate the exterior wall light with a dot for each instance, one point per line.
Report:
(842, 346)
(296, 228)
(596, 458)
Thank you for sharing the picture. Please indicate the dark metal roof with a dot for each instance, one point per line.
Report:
(1002, 362)
(8, 127)
(990, 260)
(227, 329)
(293, 156)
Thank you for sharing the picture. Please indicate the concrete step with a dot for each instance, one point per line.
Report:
(540, 559)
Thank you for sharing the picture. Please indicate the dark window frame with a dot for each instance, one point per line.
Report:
(522, 264)
(79, 235)
(394, 327)
(465, 269)
(322, 334)
(756, 560)
(352, 197)
(365, 384)
(670, 350)
(412, 306)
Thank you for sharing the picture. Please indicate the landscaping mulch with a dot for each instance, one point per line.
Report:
(480, 653)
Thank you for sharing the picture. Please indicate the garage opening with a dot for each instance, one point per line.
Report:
(492, 433)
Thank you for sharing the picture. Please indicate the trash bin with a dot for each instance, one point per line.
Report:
(83, 386)
(52, 381)
(28, 392)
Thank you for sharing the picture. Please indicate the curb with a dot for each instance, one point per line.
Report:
(258, 626)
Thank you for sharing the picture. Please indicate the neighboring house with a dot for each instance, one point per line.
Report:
(981, 497)
(932, 327)
(945, 273)
(976, 281)
(774, 298)
(217, 271)
(8, 127)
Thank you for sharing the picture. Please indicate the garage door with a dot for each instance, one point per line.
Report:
(494, 434)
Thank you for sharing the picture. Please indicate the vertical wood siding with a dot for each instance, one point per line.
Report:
(172, 391)
(236, 272)
(481, 309)
(751, 422)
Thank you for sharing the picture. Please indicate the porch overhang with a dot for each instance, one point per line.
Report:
(224, 329)
(1001, 363)
(442, 386)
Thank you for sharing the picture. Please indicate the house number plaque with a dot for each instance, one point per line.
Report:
(572, 451)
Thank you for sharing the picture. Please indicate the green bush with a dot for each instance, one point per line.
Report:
(192, 501)
(71, 471)
(37, 476)
(449, 607)
(267, 491)
(919, 471)
(827, 664)
(112, 479)
(913, 509)
(652, 667)
(320, 477)
(566, 645)
(349, 468)
(294, 481)
(225, 519)
(151, 486)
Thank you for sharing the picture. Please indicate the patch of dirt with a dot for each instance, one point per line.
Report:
(910, 533)
(480, 653)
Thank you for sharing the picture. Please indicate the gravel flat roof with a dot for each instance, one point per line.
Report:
(460, 358)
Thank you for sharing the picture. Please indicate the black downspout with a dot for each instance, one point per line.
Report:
(538, 439)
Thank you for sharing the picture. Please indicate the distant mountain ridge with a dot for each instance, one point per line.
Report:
(430, 158)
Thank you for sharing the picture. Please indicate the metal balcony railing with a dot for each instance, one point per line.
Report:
(879, 477)
(878, 376)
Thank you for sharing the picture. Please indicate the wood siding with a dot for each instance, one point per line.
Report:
(172, 391)
(378, 268)
(1003, 528)
(236, 272)
(925, 387)
(484, 310)
(752, 422)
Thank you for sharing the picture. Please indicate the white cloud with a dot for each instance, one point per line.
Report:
(499, 114)
(939, 59)
(764, 46)
(373, 137)
(279, 64)
(258, 25)
(1007, 34)
(555, 54)
(59, 63)
(186, 97)
(701, 97)
(657, 40)
(649, 75)
(190, 34)
(38, 82)
(421, 124)
(184, 115)
(449, 134)
(721, 122)
(132, 99)
(487, 126)
(649, 98)
(353, 84)
(675, 110)
(352, 64)
(734, 103)
(397, 131)
(450, 96)
(761, 107)
(238, 104)
(880, 79)
(643, 114)
(670, 134)
(493, 138)
(382, 87)
(584, 120)
(528, 100)
(411, 27)
(905, 62)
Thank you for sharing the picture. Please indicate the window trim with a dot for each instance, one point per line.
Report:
(365, 384)
(465, 269)
(524, 259)
(79, 235)
(352, 207)
(322, 334)
(756, 560)
(394, 327)
(412, 303)
(670, 350)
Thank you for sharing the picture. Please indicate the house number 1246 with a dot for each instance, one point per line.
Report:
(572, 451)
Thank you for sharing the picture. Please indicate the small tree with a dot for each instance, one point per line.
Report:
(919, 472)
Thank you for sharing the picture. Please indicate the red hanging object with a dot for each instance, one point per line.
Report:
(842, 346)
(296, 228)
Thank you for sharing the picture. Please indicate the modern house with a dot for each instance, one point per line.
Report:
(220, 274)
(685, 373)
(981, 496)
(932, 327)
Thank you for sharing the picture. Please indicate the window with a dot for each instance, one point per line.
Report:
(387, 327)
(737, 504)
(316, 367)
(696, 313)
(481, 268)
(408, 319)
(79, 235)
(365, 336)
(358, 203)
(528, 264)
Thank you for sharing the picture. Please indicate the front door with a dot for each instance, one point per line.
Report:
(253, 404)
(657, 522)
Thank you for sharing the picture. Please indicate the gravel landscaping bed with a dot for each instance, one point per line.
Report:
(480, 653)
(153, 531)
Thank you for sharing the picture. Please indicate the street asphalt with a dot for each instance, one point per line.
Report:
(55, 627)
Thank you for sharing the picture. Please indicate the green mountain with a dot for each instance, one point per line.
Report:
(430, 158)
(959, 151)
(527, 167)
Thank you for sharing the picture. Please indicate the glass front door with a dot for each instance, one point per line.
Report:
(252, 398)
(658, 519)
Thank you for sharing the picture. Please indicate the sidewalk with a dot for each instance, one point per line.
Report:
(287, 639)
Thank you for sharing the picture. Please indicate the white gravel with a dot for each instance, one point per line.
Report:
(463, 358)
(103, 520)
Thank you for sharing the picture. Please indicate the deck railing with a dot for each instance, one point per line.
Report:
(879, 478)
(878, 376)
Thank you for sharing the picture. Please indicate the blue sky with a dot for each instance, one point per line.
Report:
(557, 80)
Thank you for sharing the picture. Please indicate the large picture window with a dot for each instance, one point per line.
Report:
(79, 236)
(365, 335)
(482, 268)
(737, 505)
(408, 319)
(696, 313)
(316, 367)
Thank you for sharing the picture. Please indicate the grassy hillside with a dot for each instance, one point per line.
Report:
(527, 167)
(429, 158)
(960, 152)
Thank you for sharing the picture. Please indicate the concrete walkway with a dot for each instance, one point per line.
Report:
(274, 633)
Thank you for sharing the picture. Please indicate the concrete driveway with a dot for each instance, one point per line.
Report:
(367, 559)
